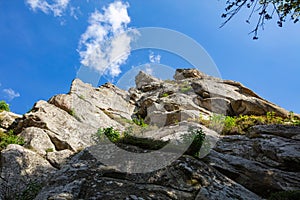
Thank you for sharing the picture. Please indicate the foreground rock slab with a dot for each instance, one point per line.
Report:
(187, 178)
(265, 161)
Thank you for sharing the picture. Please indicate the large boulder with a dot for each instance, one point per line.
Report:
(7, 119)
(63, 129)
(265, 161)
(91, 104)
(181, 74)
(38, 140)
(232, 98)
(22, 168)
(146, 82)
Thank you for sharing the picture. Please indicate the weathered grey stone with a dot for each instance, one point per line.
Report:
(7, 119)
(188, 73)
(143, 80)
(37, 139)
(216, 105)
(65, 131)
(85, 178)
(21, 167)
(58, 158)
(243, 101)
(255, 106)
(266, 162)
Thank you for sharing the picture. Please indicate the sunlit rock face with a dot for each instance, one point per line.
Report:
(59, 148)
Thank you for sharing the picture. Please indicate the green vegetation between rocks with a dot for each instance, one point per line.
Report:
(126, 138)
(4, 106)
(165, 95)
(49, 150)
(228, 125)
(72, 112)
(140, 122)
(109, 133)
(9, 138)
(195, 139)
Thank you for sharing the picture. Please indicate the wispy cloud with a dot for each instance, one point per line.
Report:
(57, 7)
(154, 58)
(105, 45)
(11, 94)
(148, 69)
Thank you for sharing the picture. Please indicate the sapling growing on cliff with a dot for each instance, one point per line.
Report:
(195, 138)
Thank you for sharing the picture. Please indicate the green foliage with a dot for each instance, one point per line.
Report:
(196, 138)
(216, 122)
(140, 122)
(228, 125)
(9, 138)
(294, 121)
(273, 119)
(165, 95)
(49, 150)
(185, 89)
(285, 195)
(266, 10)
(81, 97)
(32, 190)
(72, 112)
(112, 134)
(128, 138)
(4, 106)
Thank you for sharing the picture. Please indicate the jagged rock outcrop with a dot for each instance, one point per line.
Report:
(7, 119)
(250, 166)
(266, 160)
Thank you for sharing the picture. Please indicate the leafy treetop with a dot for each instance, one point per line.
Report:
(4, 106)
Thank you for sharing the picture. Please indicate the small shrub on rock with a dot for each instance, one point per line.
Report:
(9, 138)
(195, 138)
(112, 134)
(4, 106)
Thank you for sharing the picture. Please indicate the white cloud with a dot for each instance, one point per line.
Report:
(148, 69)
(105, 45)
(57, 7)
(11, 94)
(154, 58)
(75, 11)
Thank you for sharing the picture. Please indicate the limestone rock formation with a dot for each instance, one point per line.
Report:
(187, 178)
(7, 119)
(265, 161)
(60, 155)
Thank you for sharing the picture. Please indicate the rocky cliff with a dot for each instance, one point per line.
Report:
(60, 158)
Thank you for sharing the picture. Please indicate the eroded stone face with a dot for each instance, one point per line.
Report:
(186, 178)
(264, 160)
(267, 160)
(7, 119)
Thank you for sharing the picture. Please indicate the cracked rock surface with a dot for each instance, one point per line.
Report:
(59, 150)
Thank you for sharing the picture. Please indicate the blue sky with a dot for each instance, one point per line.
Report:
(44, 43)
